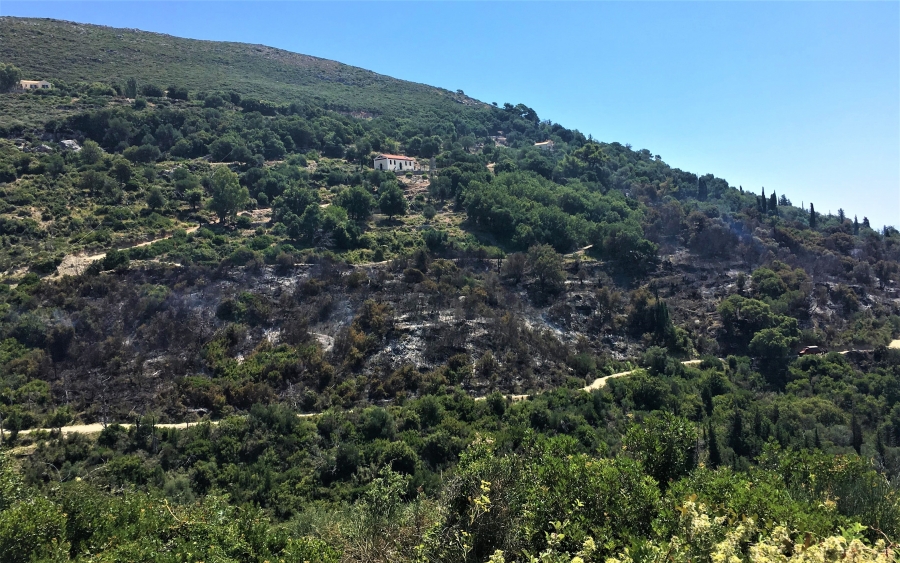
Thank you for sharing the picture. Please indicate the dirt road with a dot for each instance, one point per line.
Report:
(96, 427)
(75, 264)
(600, 382)
(895, 344)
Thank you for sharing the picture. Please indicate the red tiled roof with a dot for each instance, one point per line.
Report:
(394, 156)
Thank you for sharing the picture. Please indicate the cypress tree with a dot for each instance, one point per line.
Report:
(782, 435)
(663, 328)
(702, 190)
(736, 439)
(773, 202)
(707, 398)
(817, 442)
(866, 223)
(856, 429)
(841, 216)
(715, 455)
(855, 225)
(812, 216)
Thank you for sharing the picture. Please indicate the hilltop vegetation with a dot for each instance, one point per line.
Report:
(184, 243)
(80, 54)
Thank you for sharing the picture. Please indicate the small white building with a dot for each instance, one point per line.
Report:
(34, 85)
(395, 162)
(545, 146)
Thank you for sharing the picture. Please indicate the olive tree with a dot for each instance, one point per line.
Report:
(227, 195)
(9, 76)
(391, 201)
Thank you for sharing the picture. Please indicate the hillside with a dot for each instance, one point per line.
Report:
(296, 357)
(71, 53)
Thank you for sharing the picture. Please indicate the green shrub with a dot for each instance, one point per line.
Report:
(243, 256)
(32, 529)
(244, 222)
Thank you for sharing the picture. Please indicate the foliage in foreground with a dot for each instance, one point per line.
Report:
(79, 521)
(546, 502)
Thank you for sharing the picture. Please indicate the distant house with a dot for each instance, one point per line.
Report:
(545, 146)
(34, 85)
(395, 162)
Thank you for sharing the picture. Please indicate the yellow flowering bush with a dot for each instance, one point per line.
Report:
(553, 553)
(779, 548)
(714, 539)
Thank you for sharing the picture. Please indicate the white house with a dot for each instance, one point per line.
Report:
(395, 162)
(545, 146)
(34, 85)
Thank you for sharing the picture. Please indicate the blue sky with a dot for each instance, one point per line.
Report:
(802, 98)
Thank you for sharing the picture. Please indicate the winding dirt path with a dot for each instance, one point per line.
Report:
(97, 427)
(600, 382)
(579, 252)
(75, 264)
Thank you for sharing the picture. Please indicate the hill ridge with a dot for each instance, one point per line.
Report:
(257, 69)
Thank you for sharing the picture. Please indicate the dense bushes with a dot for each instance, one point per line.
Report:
(564, 472)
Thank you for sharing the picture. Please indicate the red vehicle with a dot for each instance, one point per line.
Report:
(812, 350)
